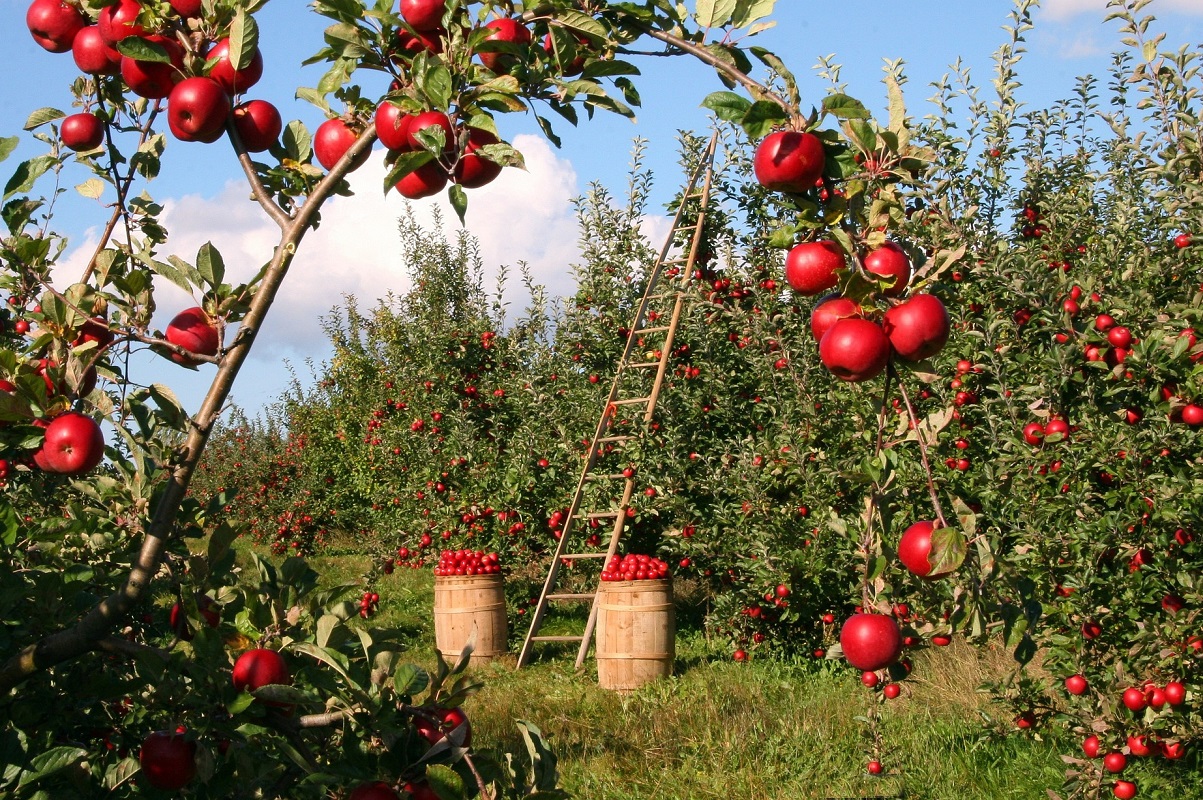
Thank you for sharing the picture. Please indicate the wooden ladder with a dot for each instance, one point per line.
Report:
(689, 223)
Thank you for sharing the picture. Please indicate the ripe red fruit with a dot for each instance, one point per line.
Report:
(379, 790)
(186, 8)
(192, 330)
(890, 261)
(891, 691)
(810, 267)
(425, 181)
(96, 330)
(448, 720)
(1175, 693)
(428, 121)
(1172, 750)
(914, 548)
(1115, 762)
(740, 655)
(474, 171)
(504, 30)
(829, 309)
(917, 328)
(420, 790)
(234, 81)
(423, 15)
(1025, 721)
(1192, 415)
(197, 110)
(1182, 240)
(258, 124)
(1119, 336)
(1135, 699)
(1075, 685)
(392, 126)
(73, 445)
(168, 760)
(1124, 790)
(154, 80)
(120, 21)
(789, 161)
(869, 679)
(871, 641)
(941, 641)
(1138, 746)
(1104, 323)
(874, 767)
(1090, 746)
(93, 54)
(1091, 629)
(855, 349)
(1033, 433)
(1056, 427)
(331, 141)
(258, 668)
(54, 24)
(82, 132)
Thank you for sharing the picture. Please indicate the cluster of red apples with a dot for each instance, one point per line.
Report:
(855, 343)
(634, 567)
(197, 80)
(467, 562)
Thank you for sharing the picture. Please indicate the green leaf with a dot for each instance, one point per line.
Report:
(459, 201)
(27, 174)
(714, 13)
(727, 106)
(7, 145)
(581, 23)
(42, 116)
(240, 703)
(176, 272)
(405, 164)
(445, 782)
(51, 761)
(605, 69)
(92, 188)
(10, 524)
(948, 548)
(244, 40)
(762, 117)
(842, 106)
(210, 265)
(297, 141)
(141, 49)
(749, 11)
(410, 679)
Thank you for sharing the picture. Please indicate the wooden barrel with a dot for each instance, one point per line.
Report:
(636, 633)
(463, 603)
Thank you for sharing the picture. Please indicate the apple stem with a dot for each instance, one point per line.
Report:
(931, 483)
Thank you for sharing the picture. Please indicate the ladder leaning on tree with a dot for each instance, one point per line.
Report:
(689, 222)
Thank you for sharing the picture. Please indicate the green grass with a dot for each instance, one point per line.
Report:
(762, 730)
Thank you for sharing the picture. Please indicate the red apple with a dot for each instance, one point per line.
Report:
(422, 42)
(914, 550)
(1175, 693)
(1076, 685)
(789, 161)
(332, 139)
(829, 309)
(257, 668)
(1104, 323)
(1124, 790)
(73, 445)
(855, 349)
(1033, 433)
(1115, 762)
(1056, 427)
(428, 121)
(1091, 629)
(1119, 336)
(197, 110)
(1091, 745)
(193, 330)
(187, 8)
(1172, 750)
(168, 760)
(54, 24)
(473, 171)
(154, 80)
(93, 54)
(425, 181)
(1182, 240)
(120, 20)
(1192, 415)
(420, 790)
(82, 132)
(423, 15)
(889, 261)
(810, 267)
(449, 719)
(871, 641)
(509, 31)
(378, 790)
(392, 126)
(574, 67)
(1135, 699)
(234, 81)
(258, 124)
(917, 328)
(1138, 746)
(96, 330)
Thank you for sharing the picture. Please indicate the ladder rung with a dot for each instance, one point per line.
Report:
(606, 439)
(643, 364)
(597, 515)
(569, 597)
(657, 329)
(583, 555)
(611, 477)
(631, 401)
(664, 296)
(557, 638)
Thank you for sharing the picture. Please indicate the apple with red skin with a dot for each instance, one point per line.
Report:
(577, 65)
(168, 760)
(93, 54)
(234, 81)
(427, 121)
(1025, 721)
(810, 267)
(448, 719)
(1091, 629)
(789, 161)
(507, 30)
(473, 171)
(890, 261)
(1033, 433)
(96, 330)
(1192, 415)
(423, 15)
(914, 549)
(874, 767)
(1119, 336)
(54, 24)
(187, 8)
(420, 790)
(260, 667)
(1175, 693)
(154, 80)
(179, 621)
(871, 641)
(331, 141)
(197, 110)
(1056, 427)
(379, 790)
(392, 126)
(1135, 699)
(1104, 323)
(1091, 745)
(1076, 685)
(891, 691)
(1182, 240)
(869, 679)
(1124, 790)
(73, 445)
(1115, 762)
(829, 309)
(855, 349)
(258, 124)
(82, 132)
(421, 42)
(425, 181)
(1138, 746)
(193, 330)
(120, 20)
(918, 327)
(1172, 750)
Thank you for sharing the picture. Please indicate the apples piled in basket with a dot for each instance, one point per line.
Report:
(634, 567)
(467, 562)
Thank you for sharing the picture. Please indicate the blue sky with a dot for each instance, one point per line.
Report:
(528, 217)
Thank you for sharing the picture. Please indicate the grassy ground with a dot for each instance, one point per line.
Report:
(762, 729)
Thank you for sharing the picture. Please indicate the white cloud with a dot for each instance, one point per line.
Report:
(1064, 9)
